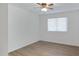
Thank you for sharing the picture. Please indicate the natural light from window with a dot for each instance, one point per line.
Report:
(57, 24)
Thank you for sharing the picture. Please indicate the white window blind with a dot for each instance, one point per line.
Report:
(57, 24)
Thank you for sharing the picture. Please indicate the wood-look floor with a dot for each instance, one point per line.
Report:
(43, 48)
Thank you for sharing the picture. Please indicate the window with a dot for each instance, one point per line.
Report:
(57, 24)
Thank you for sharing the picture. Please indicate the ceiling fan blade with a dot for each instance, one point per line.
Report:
(39, 5)
(50, 4)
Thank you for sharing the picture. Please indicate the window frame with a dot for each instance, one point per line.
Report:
(56, 24)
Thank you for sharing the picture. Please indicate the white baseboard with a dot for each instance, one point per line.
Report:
(76, 45)
(42, 40)
(22, 46)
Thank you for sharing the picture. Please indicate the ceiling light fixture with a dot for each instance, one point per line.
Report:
(44, 9)
(45, 6)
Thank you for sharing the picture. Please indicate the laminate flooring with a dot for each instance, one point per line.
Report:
(44, 48)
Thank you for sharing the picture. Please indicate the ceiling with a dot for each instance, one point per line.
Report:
(58, 7)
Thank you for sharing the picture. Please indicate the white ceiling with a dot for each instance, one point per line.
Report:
(58, 7)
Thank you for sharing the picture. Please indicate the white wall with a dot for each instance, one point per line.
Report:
(71, 37)
(3, 29)
(23, 28)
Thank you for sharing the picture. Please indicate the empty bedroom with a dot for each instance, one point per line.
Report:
(43, 29)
